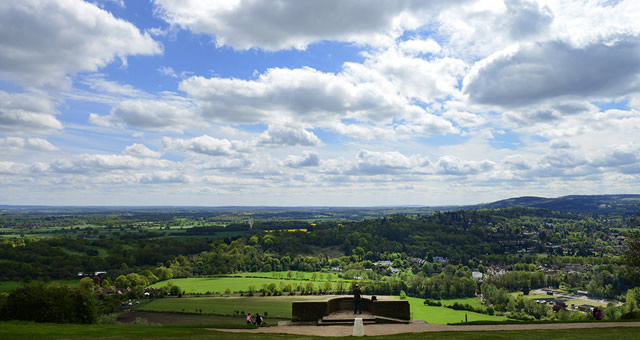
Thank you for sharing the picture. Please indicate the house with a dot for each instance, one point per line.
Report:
(383, 263)
(586, 308)
(440, 259)
(477, 276)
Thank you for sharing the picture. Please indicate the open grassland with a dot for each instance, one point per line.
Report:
(475, 302)
(274, 306)
(22, 331)
(202, 285)
(7, 286)
(320, 276)
(443, 315)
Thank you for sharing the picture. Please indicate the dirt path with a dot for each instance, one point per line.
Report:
(418, 326)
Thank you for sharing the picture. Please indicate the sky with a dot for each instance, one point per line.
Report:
(317, 103)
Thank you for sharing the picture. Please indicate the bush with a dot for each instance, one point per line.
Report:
(108, 319)
(631, 316)
(430, 302)
(490, 311)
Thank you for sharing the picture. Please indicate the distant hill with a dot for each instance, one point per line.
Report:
(588, 204)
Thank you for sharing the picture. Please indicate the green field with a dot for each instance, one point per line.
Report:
(475, 302)
(294, 275)
(443, 315)
(275, 306)
(202, 285)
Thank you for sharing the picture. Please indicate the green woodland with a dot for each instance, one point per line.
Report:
(207, 261)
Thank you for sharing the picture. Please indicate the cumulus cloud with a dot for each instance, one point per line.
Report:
(139, 150)
(47, 40)
(19, 144)
(546, 70)
(163, 177)
(11, 168)
(450, 165)
(416, 47)
(296, 24)
(311, 97)
(27, 113)
(204, 145)
(380, 163)
(94, 163)
(410, 75)
(288, 136)
(309, 158)
(626, 158)
(301, 94)
(163, 115)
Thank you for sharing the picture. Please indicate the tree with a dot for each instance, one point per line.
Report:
(86, 284)
(631, 256)
(60, 304)
(122, 282)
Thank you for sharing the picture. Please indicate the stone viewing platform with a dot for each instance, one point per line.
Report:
(338, 310)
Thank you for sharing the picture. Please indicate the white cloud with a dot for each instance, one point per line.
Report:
(554, 69)
(162, 115)
(139, 150)
(46, 40)
(27, 113)
(94, 163)
(11, 168)
(416, 47)
(168, 71)
(449, 165)
(18, 143)
(296, 24)
(288, 136)
(163, 177)
(307, 96)
(309, 158)
(390, 162)
(204, 145)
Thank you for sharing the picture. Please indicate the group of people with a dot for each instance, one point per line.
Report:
(258, 321)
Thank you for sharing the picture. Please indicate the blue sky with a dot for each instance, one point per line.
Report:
(335, 102)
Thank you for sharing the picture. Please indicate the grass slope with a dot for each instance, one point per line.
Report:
(23, 331)
(443, 315)
(201, 285)
(275, 306)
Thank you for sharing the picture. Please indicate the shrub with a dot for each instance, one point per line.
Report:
(108, 319)
(430, 302)
(490, 311)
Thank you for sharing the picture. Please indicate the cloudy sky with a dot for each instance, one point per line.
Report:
(332, 102)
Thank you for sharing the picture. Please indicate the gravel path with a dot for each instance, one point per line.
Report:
(418, 326)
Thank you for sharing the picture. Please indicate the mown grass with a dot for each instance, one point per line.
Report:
(202, 285)
(26, 331)
(275, 306)
(443, 315)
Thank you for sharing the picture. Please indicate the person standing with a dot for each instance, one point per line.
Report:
(357, 300)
